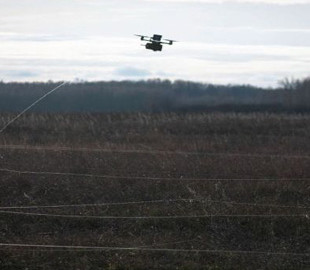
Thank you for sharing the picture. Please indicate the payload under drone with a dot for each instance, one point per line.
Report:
(155, 42)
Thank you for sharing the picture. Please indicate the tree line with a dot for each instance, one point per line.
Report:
(155, 96)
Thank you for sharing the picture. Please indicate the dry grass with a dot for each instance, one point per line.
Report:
(265, 146)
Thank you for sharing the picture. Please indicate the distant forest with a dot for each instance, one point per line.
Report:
(155, 96)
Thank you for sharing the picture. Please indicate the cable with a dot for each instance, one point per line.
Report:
(31, 105)
(142, 246)
(98, 248)
(151, 217)
(167, 243)
(152, 202)
(148, 178)
(137, 151)
(95, 204)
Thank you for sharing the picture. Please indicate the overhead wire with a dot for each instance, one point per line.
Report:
(193, 200)
(30, 106)
(145, 249)
(87, 175)
(142, 246)
(141, 151)
(154, 217)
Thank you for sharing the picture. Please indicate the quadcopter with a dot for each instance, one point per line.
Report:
(155, 43)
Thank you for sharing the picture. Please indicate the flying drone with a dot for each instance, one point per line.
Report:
(155, 43)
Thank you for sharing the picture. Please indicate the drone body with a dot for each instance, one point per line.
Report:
(155, 43)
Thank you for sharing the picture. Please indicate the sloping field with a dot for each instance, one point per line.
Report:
(155, 191)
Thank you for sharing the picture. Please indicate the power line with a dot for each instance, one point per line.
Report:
(30, 106)
(152, 217)
(147, 177)
(153, 202)
(98, 248)
(140, 151)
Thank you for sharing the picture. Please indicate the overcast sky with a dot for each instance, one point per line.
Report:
(237, 42)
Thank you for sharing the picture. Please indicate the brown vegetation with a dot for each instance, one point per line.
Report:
(248, 174)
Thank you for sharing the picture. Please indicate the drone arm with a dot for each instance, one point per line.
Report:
(144, 38)
(168, 43)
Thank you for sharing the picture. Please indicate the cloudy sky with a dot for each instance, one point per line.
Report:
(256, 42)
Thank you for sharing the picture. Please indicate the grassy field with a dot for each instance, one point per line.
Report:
(186, 191)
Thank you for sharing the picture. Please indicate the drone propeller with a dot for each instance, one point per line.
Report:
(170, 40)
(142, 37)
